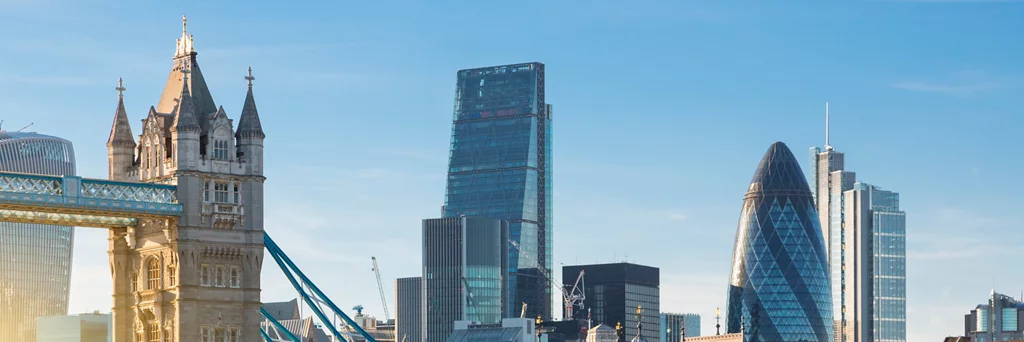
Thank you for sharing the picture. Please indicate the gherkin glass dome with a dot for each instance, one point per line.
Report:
(779, 287)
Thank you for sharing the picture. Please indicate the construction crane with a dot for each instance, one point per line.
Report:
(570, 298)
(380, 286)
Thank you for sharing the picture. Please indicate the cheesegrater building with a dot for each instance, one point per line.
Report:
(779, 287)
(35, 259)
(500, 167)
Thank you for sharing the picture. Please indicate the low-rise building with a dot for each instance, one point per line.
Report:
(91, 327)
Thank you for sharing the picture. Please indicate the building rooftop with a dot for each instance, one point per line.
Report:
(4, 135)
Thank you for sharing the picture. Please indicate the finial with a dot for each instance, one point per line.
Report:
(250, 78)
(120, 87)
(184, 24)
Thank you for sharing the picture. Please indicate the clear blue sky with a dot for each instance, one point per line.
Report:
(662, 111)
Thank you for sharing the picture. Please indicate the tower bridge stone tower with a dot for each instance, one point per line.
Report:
(196, 278)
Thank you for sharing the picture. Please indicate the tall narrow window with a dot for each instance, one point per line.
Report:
(235, 277)
(220, 276)
(206, 191)
(153, 274)
(236, 193)
(220, 149)
(154, 331)
(205, 335)
(204, 275)
(135, 281)
(233, 336)
(219, 334)
(220, 192)
(172, 276)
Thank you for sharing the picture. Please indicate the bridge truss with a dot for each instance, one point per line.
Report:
(81, 202)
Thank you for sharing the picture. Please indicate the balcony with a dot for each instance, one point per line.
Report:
(223, 215)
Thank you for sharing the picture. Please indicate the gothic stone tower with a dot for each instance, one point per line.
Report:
(196, 278)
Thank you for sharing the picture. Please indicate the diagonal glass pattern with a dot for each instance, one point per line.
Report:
(779, 288)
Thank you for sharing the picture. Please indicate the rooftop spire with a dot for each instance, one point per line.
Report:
(120, 88)
(121, 129)
(185, 118)
(249, 124)
(250, 78)
(184, 46)
(827, 146)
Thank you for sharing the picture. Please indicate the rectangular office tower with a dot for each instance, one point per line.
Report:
(613, 292)
(35, 259)
(500, 167)
(464, 259)
(408, 315)
(828, 180)
(876, 265)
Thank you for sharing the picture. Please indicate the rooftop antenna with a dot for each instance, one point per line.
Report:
(2, 126)
(827, 146)
(29, 125)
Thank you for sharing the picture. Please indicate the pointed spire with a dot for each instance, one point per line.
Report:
(827, 146)
(249, 123)
(185, 119)
(121, 130)
(184, 46)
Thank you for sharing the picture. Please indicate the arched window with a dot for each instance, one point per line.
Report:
(153, 273)
(234, 277)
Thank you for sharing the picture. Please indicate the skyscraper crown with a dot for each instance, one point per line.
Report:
(778, 172)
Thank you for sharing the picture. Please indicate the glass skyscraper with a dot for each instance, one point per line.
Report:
(779, 286)
(35, 259)
(829, 179)
(865, 234)
(876, 263)
(500, 167)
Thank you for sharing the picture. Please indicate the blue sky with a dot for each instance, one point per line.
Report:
(662, 111)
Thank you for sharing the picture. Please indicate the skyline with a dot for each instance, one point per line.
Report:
(724, 113)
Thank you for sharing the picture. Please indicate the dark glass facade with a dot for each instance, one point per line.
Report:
(463, 262)
(500, 167)
(779, 287)
(408, 311)
(613, 291)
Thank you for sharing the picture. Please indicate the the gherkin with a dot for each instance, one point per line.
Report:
(779, 286)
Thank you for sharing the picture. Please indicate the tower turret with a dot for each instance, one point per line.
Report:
(185, 130)
(249, 136)
(121, 145)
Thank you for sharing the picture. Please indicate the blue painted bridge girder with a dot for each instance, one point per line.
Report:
(83, 202)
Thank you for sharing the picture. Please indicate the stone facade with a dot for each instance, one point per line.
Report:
(196, 278)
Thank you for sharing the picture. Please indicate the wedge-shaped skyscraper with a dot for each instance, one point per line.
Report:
(779, 287)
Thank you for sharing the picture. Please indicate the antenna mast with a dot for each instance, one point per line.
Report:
(827, 146)
(29, 125)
